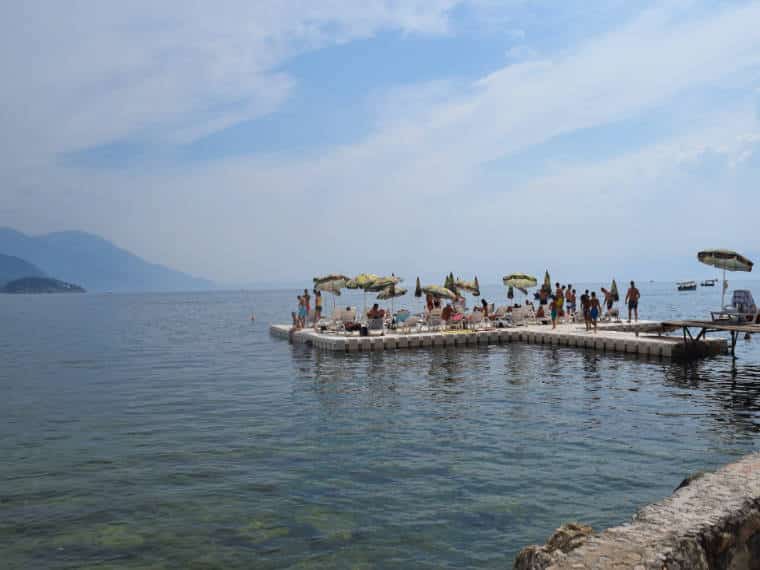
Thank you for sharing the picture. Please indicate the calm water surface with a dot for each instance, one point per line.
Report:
(170, 431)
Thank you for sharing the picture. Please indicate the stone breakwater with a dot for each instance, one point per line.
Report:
(712, 521)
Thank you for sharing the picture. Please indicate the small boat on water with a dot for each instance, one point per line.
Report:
(709, 283)
(687, 285)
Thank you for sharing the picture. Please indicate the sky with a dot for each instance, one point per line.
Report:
(270, 141)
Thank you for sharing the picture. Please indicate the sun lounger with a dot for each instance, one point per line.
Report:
(456, 321)
(433, 320)
(409, 324)
(475, 320)
(375, 324)
(742, 309)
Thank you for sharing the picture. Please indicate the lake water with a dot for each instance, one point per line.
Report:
(171, 431)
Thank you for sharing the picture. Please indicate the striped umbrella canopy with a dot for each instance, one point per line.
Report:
(725, 259)
(361, 281)
(382, 283)
(439, 292)
(333, 287)
(330, 277)
(520, 280)
(391, 293)
(470, 286)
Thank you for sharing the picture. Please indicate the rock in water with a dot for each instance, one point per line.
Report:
(566, 538)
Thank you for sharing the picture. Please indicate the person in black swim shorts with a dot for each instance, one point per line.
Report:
(632, 300)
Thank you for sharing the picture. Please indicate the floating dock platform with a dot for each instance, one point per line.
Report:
(644, 338)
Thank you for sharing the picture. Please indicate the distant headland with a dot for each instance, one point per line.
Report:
(40, 285)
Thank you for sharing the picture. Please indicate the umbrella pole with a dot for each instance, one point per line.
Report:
(723, 291)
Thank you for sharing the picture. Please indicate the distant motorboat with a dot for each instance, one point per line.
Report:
(687, 285)
(709, 283)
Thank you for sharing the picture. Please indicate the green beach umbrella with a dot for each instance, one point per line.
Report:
(614, 291)
(361, 281)
(418, 289)
(520, 280)
(727, 260)
(331, 277)
(469, 286)
(547, 285)
(439, 292)
(391, 293)
(333, 285)
(382, 283)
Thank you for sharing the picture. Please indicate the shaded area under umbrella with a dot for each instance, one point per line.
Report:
(330, 284)
(520, 281)
(391, 293)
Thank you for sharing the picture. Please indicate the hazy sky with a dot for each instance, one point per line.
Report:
(254, 141)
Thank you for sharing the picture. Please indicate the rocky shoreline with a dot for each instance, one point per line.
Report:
(712, 521)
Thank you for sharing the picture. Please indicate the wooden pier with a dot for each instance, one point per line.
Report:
(693, 344)
(644, 338)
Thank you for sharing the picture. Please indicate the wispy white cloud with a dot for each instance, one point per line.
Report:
(83, 73)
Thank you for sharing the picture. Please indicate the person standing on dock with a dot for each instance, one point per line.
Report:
(594, 308)
(609, 301)
(632, 300)
(585, 307)
(301, 312)
(570, 301)
(553, 307)
(559, 298)
(307, 303)
(317, 307)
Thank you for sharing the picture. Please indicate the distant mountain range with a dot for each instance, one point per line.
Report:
(12, 268)
(87, 260)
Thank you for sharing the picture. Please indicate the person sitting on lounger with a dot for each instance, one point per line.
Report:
(447, 313)
(375, 312)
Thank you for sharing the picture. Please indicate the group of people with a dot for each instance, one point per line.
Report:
(454, 307)
(303, 314)
(562, 303)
